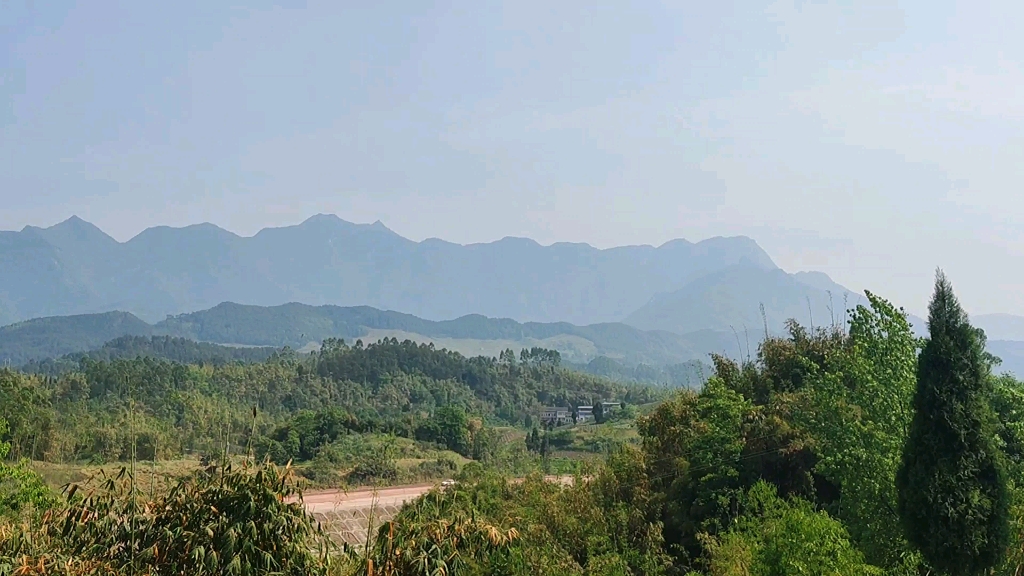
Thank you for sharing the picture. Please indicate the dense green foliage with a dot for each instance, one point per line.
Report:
(775, 537)
(530, 528)
(786, 465)
(823, 416)
(953, 497)
(214, 522)
(783, 464)
(21, 489)
(302, 402)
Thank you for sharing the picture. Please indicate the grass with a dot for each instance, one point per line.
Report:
(152, 477)
(413, 462)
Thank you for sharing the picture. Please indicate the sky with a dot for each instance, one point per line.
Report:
(872, 140)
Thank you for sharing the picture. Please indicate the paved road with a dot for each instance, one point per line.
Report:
(339, 500)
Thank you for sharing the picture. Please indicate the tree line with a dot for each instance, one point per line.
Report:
(102, 408)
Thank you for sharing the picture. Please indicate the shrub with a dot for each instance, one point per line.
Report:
(776, 536)
(218, 522)
(21, 489)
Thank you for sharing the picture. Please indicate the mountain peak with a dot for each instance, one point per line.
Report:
(74, 223)
(333, 222)
(676, 243)
(324, 219)
(818, 280)
(754, 254)
(74, 230)
(182, 242)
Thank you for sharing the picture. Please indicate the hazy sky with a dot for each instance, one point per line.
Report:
(871, 140)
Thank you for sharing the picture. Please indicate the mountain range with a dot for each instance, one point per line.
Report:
(75, 268)
(71, 288)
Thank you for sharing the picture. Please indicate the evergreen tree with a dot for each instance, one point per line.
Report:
(953, 499)
(533, 441)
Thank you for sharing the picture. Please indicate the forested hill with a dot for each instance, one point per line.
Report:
(75, 268)
(181, 350)
(298, 326)
(56, 336)
(388, 386)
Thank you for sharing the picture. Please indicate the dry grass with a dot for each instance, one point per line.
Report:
(153, 477)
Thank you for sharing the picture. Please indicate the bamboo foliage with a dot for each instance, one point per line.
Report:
(214, 522)
(435, 538)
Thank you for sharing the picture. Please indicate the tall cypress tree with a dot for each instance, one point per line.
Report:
(953, 500)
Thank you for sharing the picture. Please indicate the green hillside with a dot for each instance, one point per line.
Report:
(384, 387)
(170, 348)
(298, 325)
(56, 336)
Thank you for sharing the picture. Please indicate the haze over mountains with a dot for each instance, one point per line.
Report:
(74, 268)
(636, 304)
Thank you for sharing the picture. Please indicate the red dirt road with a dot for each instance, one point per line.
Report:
(339, 500)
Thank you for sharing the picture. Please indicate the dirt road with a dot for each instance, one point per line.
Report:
(339, 500)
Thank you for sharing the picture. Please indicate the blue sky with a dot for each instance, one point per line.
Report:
(872, 140)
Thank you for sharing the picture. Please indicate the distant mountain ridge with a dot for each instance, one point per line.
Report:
(74, 268)
(614, 349)
(180, 350)
(717, 285)
(298, 325)
(734, 297)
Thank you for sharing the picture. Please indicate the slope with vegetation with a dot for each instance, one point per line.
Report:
(181, 350)
(59, 335)
(103, 410)
(785, 465)
(790, 463)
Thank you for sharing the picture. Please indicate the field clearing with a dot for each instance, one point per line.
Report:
(154, 478)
